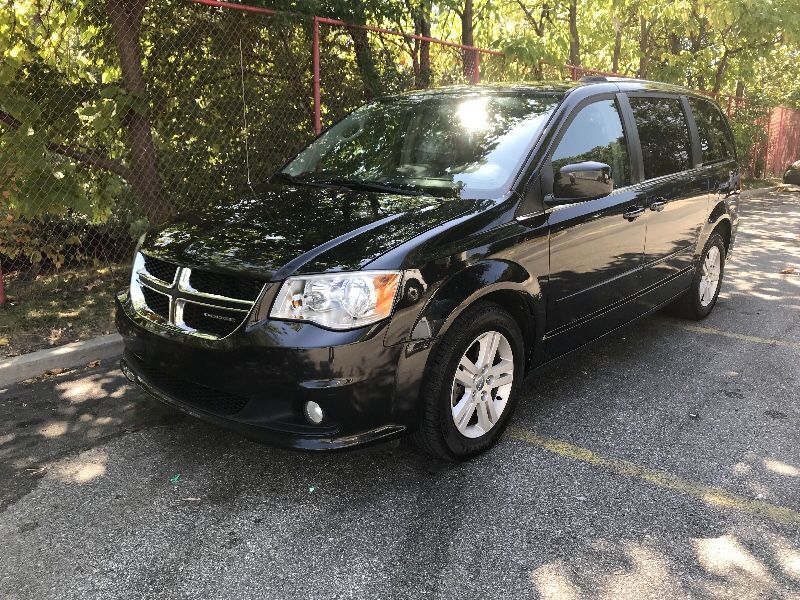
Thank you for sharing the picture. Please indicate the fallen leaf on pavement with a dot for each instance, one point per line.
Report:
(788, 271)
(57, 372)
(93, 364)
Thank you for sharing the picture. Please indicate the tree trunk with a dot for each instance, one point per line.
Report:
(574, 40)
(644, 47)
(126, 21)
(617, 50)
(739, 93)
(365, 62)
(422, 26)
(720, 73)
(467, 38)
(674, 44)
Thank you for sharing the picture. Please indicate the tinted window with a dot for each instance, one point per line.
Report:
(595, 134)
(715, 138)
(441, 141)
(663, 134)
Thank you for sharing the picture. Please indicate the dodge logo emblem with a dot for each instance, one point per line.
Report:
(219, 317)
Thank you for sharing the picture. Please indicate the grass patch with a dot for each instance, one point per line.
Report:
(58, 308)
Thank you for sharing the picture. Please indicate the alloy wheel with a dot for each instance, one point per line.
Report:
(709, 278)
(482, 384)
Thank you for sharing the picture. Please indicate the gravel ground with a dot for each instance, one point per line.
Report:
(663, 462)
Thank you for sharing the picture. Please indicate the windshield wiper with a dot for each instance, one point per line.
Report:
(350, 184)
(372, 186)
(289, 178)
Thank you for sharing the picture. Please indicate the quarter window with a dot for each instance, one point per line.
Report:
(663, 134)
(595, 134)
(715, 136)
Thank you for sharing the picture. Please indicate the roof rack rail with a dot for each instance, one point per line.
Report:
(593, 78)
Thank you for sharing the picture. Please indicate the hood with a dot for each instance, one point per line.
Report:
(277, 230)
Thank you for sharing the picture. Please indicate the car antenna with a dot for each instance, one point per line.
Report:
(244, 111)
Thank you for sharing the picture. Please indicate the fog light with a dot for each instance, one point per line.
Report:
(314, 413)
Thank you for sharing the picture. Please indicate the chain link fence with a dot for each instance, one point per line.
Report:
(120, 114)
(116, 115)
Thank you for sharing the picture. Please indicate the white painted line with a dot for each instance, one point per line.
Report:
(728, 334)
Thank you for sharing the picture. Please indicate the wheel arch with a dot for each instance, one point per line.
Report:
(504, 283)
(723, 226)
(718, 219)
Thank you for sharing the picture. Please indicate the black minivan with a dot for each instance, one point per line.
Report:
(405, 271)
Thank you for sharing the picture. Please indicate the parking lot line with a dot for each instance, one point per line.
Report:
(708, 494)
(728, 334)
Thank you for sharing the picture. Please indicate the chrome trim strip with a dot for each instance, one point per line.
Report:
(148, 277)
(217, 306)
(140, 304)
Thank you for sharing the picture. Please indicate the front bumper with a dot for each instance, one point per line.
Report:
(257, 380)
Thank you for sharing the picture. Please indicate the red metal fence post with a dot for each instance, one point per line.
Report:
(781, 142)
(315, 62)
(2, 287)
(766, 141)
(476, 68)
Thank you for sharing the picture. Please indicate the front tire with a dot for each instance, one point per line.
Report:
(471, 384)
(701, 297)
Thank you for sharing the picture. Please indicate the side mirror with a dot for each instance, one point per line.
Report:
(581, 181)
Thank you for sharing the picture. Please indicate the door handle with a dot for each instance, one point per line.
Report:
(633, 212)
(658, 204)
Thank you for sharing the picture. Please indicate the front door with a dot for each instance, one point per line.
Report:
(596, 246)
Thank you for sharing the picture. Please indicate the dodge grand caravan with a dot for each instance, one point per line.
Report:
(404, 272)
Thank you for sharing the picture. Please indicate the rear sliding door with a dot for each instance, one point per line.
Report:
(675, 188)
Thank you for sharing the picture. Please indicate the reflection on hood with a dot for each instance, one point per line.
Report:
(301, 229)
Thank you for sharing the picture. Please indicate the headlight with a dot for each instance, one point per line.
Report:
(137, 297)
(338, 300)
(138, 265)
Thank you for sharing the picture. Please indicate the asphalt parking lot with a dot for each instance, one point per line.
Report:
(663, 462)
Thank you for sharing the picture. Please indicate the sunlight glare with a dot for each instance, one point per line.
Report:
(725, 556)
(473, 115)
(84, 468)
(781, 468)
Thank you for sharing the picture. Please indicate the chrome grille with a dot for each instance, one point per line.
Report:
(156, 302)
(168, 294)
(225, 285)
(160, 269)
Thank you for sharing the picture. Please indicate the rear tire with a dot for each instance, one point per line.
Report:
(471, 384)
(701, 297)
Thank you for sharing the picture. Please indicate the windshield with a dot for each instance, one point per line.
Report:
(446, 142)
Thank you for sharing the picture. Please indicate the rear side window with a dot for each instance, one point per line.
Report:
(663, 134)
(595, 134)
(715, 137)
